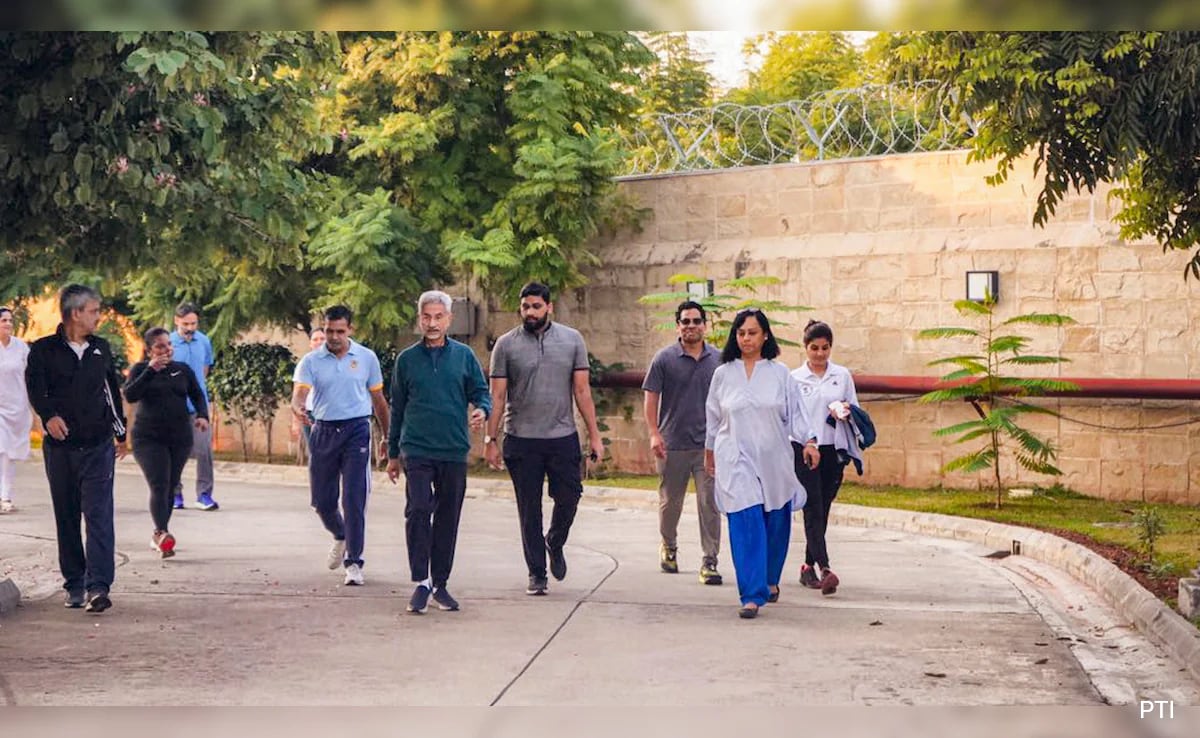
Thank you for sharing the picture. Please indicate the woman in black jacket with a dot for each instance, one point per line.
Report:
(162, 433)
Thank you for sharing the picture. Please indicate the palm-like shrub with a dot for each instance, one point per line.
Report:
(979, 379)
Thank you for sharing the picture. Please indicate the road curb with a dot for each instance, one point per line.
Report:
(1131, 601)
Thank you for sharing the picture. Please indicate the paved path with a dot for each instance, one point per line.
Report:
(248, 614)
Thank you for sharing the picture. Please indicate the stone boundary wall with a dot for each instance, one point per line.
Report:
(880, 248)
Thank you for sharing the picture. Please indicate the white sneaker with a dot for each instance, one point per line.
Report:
(7, 506)
(336, 554)
(354, 575)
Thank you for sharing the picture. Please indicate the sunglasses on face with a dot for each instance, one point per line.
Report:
(691, 321)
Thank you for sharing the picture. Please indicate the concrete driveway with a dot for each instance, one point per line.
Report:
(247, 614)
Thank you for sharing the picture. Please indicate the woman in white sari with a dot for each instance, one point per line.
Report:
(15, 417)
(753, 407)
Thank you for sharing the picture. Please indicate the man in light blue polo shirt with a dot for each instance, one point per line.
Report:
(194, 349)
(347, 384)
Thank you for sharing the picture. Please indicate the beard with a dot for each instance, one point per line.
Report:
(533, 325)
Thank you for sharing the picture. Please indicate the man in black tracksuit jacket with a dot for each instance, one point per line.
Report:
(75, 389)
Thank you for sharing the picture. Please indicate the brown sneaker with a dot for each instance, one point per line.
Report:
(809, 578)
(829, 582)
(709, 573)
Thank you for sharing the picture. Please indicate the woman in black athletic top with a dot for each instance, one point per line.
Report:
(162, 432)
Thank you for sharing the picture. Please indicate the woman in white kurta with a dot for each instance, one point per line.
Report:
(822, 383)
(753, 407)
(15, 418)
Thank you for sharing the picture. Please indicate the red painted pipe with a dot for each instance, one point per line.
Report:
(885, 384)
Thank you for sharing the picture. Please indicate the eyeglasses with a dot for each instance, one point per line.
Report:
(691, 321)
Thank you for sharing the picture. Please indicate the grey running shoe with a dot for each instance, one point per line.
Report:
(419, 602)
(444, 600)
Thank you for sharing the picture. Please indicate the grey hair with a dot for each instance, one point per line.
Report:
(435, 296)
(75, 297)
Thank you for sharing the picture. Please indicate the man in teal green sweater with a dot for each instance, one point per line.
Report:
(432, 384)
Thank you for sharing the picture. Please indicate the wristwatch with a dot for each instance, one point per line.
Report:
(488, 439)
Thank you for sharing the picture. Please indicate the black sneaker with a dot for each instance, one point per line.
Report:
(98, 603)
(444, 600)
(558, 562)
(537, 586)
(419, 602)
(74, 600)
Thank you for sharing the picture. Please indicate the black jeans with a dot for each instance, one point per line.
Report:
(822, 485)
(530, 461)
(162, 465)
(434, 492)
(81, 485)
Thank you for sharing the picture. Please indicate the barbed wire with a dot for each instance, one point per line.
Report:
(864, 121)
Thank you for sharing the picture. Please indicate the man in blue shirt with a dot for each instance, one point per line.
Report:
(194, 349)
(347, 385)
(432, 384)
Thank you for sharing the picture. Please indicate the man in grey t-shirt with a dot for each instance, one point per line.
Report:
(539, 374)
(676, 387)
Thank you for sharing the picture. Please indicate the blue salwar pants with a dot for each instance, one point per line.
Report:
(759, 543)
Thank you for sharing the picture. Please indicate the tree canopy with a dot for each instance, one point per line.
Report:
(501, 146)
(160, 163)
(1093, 107)
(267, 175)
(678, 79)
(797, 65)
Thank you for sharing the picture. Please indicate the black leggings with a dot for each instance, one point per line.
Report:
(822, 485)
(162, 464)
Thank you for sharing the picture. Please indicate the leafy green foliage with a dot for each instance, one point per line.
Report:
(501, 146)
(608, 400)
(249, 381)
(375, 258)
(798, 65)
(165, 161)
(1149, 525)
(1092, 107)
(980, 378)
(722, 306)
(265, 176)
(679, 79)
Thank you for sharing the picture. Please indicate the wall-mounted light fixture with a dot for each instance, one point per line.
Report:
(981, 285)
(699, 290)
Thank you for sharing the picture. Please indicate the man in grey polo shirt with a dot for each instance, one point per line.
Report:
(539, 374)
(676, 388)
